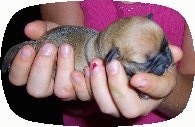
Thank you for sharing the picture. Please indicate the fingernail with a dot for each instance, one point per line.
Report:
(65, 51)
(141, 84)
(47, 49)
(94, 65)
(94, 68)
(113, 67)
(25, 53)
(76, 79)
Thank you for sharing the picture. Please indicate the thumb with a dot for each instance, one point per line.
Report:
(36, 29)
(153, 85)
(176, 52)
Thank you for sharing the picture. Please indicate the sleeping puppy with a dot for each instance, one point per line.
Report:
(137, 42)
(140, 45)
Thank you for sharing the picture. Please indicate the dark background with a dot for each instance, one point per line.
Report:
(45, 110)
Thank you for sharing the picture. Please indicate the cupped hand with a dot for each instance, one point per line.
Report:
(116, 95)
(109, 85)
(35, 70)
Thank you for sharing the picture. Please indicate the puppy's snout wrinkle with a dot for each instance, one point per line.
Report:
(161, 62)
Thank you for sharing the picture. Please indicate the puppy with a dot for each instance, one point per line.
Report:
(137, 42)
(140, 45)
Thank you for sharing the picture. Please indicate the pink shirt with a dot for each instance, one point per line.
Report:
(101, 13)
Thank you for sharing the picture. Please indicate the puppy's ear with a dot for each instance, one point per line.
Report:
(150, 16)
(114, 53)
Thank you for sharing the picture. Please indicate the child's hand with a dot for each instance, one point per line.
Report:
(35, 70)
(116, 95)
(113, 97)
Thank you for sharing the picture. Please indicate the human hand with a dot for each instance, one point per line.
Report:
(116, 95)
(35, 70)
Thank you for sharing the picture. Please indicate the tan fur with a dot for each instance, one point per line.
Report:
(136, 38)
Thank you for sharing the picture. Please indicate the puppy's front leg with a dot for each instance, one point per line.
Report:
(114, 53)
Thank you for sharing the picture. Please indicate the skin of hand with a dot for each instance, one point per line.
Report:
(26, 57)
(28, 68)
(176, 102)
(70, 84)
(116, 95)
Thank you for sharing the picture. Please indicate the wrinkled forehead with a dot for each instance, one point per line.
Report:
(141, 42)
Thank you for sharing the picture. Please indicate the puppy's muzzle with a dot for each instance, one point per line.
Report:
(161, 62)
(157, 65)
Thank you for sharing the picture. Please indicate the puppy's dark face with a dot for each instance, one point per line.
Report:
(139, 44)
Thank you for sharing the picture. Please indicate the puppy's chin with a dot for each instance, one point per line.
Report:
(133, 68)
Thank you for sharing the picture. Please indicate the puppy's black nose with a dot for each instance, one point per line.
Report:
(161, 62)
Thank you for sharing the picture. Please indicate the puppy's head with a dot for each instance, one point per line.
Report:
(139, 43)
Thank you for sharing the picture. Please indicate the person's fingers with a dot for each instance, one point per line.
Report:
(87, 79)
(176, 52)
(38, 28)
(50, 25)
(39, 82)
(80, 87)
(100, 89)
(65, 65)
(124, 96)
(149, 105)
(153, 85)
(21, 65)
(158, 86)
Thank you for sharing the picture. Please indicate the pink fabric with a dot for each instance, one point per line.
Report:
(152, 117)
(74, 121)
(101, 13)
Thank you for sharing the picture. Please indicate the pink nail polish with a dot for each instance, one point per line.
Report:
(94, 65)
